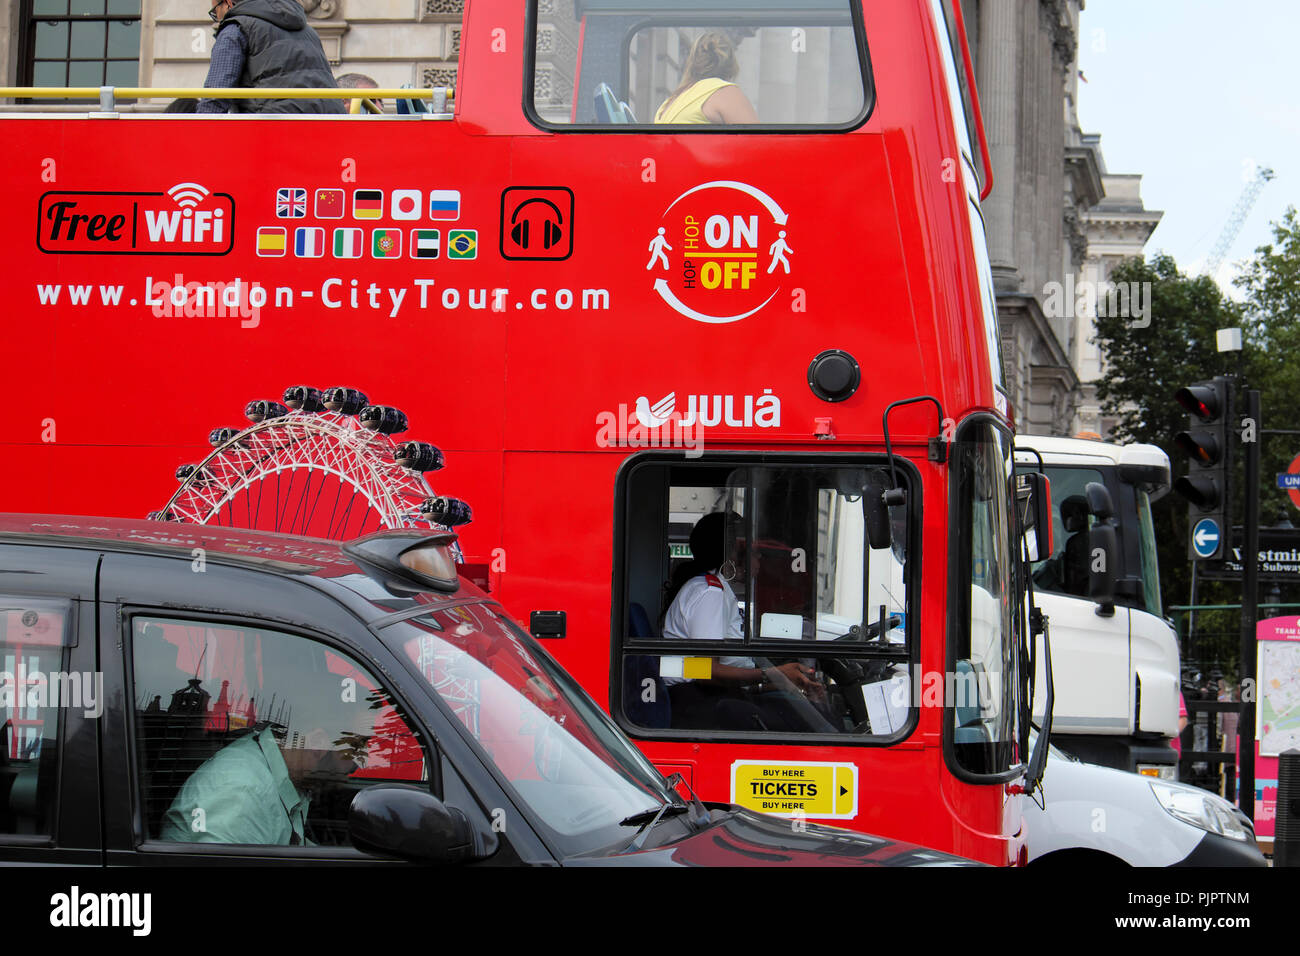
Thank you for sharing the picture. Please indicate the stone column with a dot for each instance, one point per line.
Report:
(10, 37)
(998, 60)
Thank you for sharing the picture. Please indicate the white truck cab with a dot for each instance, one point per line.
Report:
(1115, 663)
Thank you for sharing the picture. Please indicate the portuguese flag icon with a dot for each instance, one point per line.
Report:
(387, 244)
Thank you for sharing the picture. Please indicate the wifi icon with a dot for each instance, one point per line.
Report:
(188, 195)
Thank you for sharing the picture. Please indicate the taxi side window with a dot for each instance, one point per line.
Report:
(252, 736)
(34, 691)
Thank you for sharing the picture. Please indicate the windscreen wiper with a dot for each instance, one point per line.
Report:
(647, 819)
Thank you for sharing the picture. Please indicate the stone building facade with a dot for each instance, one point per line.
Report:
(1049, 203)
(395, 42)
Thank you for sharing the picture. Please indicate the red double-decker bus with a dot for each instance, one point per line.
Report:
(774, 304)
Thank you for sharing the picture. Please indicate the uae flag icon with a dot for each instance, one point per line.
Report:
(425, 243)
(309, 243)
(368, 204)
(348, 243)
(387, 244)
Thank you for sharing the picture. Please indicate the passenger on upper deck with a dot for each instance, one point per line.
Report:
(707, 93)
(266, 44)
(359, 81)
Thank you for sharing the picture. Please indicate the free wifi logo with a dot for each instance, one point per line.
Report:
(188, 220)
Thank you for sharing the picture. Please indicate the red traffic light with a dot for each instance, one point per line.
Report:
(1206, 402)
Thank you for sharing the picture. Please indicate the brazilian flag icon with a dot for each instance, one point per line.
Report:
(462, 244)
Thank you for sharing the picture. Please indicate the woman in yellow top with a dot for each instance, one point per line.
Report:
(707, 93)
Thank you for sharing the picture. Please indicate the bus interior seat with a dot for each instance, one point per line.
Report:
(637, 669)
(412, 106)
(609, 110)
(970, 728)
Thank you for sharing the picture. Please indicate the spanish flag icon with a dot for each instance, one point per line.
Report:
(272, 241)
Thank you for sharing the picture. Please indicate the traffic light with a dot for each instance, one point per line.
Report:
(1207, 484)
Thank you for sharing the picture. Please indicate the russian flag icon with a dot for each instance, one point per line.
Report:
(444, 204)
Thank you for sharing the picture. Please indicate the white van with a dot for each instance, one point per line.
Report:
(1097, 815)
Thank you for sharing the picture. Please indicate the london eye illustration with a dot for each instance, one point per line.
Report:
(325, 463)
(321, 463)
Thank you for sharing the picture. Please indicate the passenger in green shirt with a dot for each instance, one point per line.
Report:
(246, 795)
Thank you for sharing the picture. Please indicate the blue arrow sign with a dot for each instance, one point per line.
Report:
(1288, 481)
(1205, 538)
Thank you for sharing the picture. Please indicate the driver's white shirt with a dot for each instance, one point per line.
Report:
(705, 609)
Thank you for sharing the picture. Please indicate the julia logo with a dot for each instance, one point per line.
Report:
(720, 252)
(731, 411)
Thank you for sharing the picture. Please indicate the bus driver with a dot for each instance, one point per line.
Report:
(702, 606)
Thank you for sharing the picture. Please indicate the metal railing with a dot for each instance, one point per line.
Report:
(440, 99)
(1213, 768)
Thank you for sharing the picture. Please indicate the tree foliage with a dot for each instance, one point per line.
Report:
(1144, 367)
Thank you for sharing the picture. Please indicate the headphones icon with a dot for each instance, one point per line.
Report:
(551, 231)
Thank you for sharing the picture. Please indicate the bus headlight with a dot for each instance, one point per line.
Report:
(1205, 811)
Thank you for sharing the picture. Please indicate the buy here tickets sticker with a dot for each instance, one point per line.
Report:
(786, 788)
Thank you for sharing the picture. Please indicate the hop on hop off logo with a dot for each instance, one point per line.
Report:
(721, 252)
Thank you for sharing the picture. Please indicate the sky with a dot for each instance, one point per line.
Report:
(1193, 95)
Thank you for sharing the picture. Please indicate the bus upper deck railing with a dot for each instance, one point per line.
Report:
(440, 99)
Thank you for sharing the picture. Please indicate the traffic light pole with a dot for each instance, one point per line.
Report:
(1249, 607)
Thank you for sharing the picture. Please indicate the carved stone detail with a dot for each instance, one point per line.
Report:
(436, 8)
(436, 75)
(320, 9)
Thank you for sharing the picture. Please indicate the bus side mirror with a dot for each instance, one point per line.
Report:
(1034, 499)
(876, 512)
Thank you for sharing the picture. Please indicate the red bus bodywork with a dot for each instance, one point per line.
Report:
(107, 398)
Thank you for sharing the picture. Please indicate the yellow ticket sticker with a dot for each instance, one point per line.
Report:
(828, 791)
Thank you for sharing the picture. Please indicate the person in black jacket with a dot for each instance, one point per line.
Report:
(267, 44)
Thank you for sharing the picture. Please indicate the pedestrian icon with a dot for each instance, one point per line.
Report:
(778, 250)
(657, 246)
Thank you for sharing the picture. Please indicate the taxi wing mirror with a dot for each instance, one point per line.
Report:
(409, 824)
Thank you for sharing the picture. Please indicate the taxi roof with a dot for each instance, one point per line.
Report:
(291, 552)
(317, 561)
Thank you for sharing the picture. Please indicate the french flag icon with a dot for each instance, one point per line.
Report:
(309, 243)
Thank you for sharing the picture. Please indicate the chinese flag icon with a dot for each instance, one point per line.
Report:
(330, 203)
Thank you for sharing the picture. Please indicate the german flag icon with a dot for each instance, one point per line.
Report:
(368, 204)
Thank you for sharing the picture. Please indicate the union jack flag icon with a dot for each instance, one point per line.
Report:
(290, 203)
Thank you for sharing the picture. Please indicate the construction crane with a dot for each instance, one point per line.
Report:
(1263, 176)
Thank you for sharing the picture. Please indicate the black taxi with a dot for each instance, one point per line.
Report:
(183, 694)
